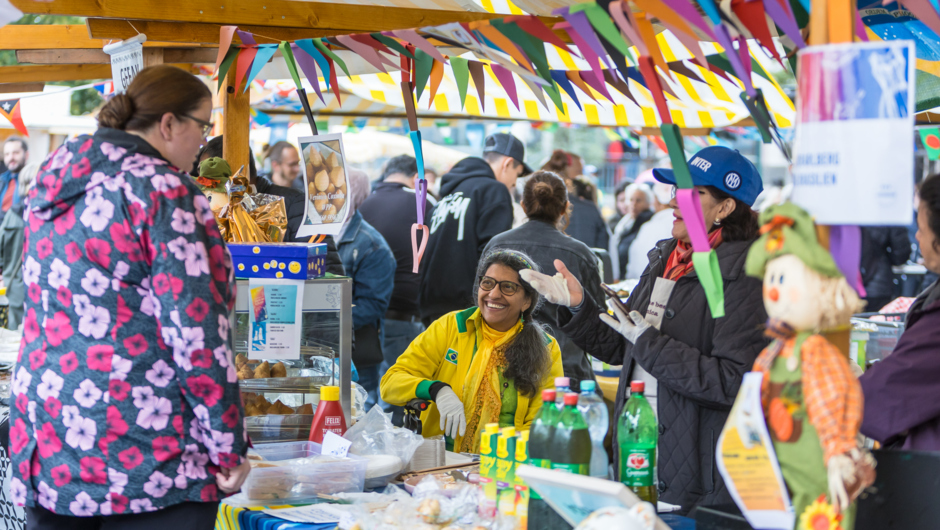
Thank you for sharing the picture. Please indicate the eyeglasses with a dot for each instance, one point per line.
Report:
(206, 125)
(507, 287)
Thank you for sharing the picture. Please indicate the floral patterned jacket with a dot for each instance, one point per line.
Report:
(125, 398)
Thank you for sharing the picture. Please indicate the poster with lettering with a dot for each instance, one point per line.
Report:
(854, 141)
(324, 170)
(127, 60)
(274, 318)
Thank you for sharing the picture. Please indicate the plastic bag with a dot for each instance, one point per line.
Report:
(375, 435)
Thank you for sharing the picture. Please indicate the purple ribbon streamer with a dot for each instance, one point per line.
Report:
(724, 39)
(782, 17)
(246, 37)
(309, 67)
(582, 26)
(845, 245)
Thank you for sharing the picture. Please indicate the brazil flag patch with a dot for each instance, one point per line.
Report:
(451, 356)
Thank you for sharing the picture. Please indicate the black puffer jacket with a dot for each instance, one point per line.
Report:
(698, 361)
(882, 248)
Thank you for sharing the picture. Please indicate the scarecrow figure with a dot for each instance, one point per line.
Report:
(812, 401)
(213, 174)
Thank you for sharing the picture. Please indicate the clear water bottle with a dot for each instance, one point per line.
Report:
(562, 387)
(595, 413)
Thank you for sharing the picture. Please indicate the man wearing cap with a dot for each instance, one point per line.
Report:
(475, 206)
(691, 363)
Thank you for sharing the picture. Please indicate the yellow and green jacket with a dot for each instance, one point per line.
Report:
(444, 353)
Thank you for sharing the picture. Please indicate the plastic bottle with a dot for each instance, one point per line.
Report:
(522, 489)
(488, 444)
(595, 414)
(329, 415)
(541, 436)
(562, 387)
(505, 467)
(638, 434)
(571, 445)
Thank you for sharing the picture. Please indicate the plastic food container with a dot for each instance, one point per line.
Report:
(269, 481)
(279, 428)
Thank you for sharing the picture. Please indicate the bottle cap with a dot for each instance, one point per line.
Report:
(508, 432)
(637, 386)
(491, 428)
(548, 395)
(562, 381)
(571, 399)
(588, 386)
(329, 393)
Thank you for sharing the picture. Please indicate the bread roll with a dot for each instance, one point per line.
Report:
(337, 177)
(279, 370)
(263, 370)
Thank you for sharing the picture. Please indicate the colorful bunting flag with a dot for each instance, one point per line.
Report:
(422, 70)
(931, 139)
(265, 53)
(10, 109)
(461, 76)
(505, 79)
(479, 81)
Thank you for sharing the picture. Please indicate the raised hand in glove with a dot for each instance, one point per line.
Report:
(562, 288)
(453, 418)
(630, 326)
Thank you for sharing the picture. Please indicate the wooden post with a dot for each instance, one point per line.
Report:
(237, 123)
(153, 56)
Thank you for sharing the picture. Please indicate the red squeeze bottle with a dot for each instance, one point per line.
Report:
(329, 416)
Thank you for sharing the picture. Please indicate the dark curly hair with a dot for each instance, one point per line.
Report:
(529, 358)
(741, 224)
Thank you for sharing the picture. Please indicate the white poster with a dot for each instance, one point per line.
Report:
(854, 143)
(127, 60)
(275, 309)
(324, 169)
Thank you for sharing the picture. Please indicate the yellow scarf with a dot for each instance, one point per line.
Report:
(481, 387)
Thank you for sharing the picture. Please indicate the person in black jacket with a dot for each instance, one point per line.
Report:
(585, 222)
(293, 202)
(639, 197)
(882, 248)
(475, 206)
(692, 363)
(545, 201)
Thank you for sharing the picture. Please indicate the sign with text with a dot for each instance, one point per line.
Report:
(854, 142)
(274, 318)
(127, 60)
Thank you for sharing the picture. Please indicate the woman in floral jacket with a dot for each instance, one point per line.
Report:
(126, 409)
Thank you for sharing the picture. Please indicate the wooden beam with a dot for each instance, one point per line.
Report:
(46, 73)
(277, 13)
(62, 37)
(153, 57)
(190, 32)
(9, 88)
(171, 55)
(191, 55)
(237, 123)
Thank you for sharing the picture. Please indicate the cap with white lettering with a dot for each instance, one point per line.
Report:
(724, 169)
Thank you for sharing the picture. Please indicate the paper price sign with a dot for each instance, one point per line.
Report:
(127, 60)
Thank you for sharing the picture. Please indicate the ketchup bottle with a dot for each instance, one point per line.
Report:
(329, 416)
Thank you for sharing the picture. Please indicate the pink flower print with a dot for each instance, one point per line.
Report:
(94, 322)
(47, 441)
(155, 414)
(222, 353)
(81, 433)
(53, 185)
(124, 315)
(143, 396)
(117, 427)
(118, 389)
(229, 460)
(193, 339)
(161, 284)
(87, 394)
(141, 506)
(118, 502)
(178, 247)
(204, 387)
(158, 485)
(136, 345)
(99, 252)
(194, 463)
(61, 475)
(231, 416)
(70, 415)
(219, 263)
(98, 213)
(218, 443)
(83, 505)
(31, 271)
(99, 357)
(202, 358)
(139, 165)
(93, 470)
(180, 481)
(203, 210)
(125, 241)
(81, 168)
(58, 329)
(196, 261)
(68, 362)
(73, 252)
(21, 381)
(86, 145)
(95, 283)
(37, 358)
(50, 386)
(178, 425)
(165, 448)
(117, 481)
(131, 457)
(17, 492)
(59, 274)
(198, 309)
(209, 493)
(183, 222)
(113, 152)
(53, 407)
(60, 159)
(82, 304)
(44, 248)
(47, 496)
(160, 374)
(65, 221)
(64, 296)
(176, 285)
(18, 436)
(120, 367)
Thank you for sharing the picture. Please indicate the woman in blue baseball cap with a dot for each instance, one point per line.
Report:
(692, 364)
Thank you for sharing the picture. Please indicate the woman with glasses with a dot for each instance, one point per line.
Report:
(485, 364)
(127, 411)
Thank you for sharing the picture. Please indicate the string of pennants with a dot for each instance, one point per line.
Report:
(11, 110)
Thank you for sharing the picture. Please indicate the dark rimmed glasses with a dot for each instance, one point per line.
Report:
(506, 287)
(206, 125)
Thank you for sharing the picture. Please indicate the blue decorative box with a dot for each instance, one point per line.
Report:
(291, 261)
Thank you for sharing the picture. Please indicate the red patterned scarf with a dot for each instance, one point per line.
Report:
(680, 261)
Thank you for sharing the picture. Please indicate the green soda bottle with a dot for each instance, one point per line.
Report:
(572, 441)
(541, 436)
(637, 435)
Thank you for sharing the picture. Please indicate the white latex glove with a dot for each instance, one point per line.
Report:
(841, 470)
(630, 326)
(562, 288)
(453, 419)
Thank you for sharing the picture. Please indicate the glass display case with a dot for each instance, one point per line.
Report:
(281, 395)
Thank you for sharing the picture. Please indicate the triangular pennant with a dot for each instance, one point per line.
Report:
(783, 18)
(648, 34)
(508, 83)
(589, 79)
(437, 73)
(532, 48)
(393, 44)
(537, 90)
(412, 37)
(226, 66)
(605, 27)
(710, 9)
(724, 39)
(422, 71)
(479, 81)
(461, 76)
(620, 60)
(561, 79)
(225, 42)
(620, 85)
(507, 45)
(655, 88)
(535, 27)
(574, 77)
(593, 60)
(246, 38)
(265, 52)
(381, 48)
(691, 43)
(408, 98)
(332, 57)
(285, 50)
(366, 52)
(310, 49)
(10, 109)
(680, 68)
(690, 14)
(582, 27)
(309, 67)
(665, 14)
(752, 14)
(555, 94)
(334, 84)
(618, 11)
(246, 58)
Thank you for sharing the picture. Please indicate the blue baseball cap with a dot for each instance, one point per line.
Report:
(723, 168)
